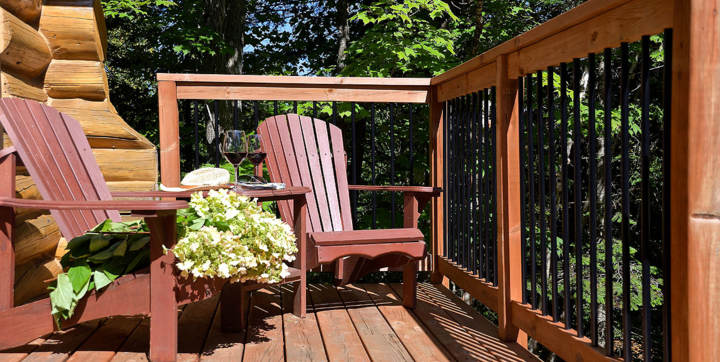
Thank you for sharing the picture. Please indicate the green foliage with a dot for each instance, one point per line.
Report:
(95, 260)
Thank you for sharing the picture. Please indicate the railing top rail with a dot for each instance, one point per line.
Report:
(577, 15)
(281, 80)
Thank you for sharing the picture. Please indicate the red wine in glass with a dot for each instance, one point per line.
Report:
(256, 154)
(234, 148)
(235, 158)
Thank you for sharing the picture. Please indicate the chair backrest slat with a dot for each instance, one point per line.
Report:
(308, 156)
(58, 157)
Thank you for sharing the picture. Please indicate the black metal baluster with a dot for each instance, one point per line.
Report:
(372, 162)
(493, 184)
(295, 107)
(577, 194)
(314, 114)
(645, 192)
(468, 180)
(592, 190)
(541, 186)
(459, 181)
(553, 194)
(608, 214)
(256, 113)
(523, 200)
(355, 165)
(392, 162)
(667, 94)
(216, 140)
(196, 116)
(474, 171)
(565, 192)
(486, 174)
(624, 109)
(531, 181)
(275, 107)
(480, 213)
(236, 118)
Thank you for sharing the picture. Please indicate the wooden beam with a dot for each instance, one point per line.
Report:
(695, 182)
(7, 223)
(478, 288)
(625, 23)
(74, 30)
(22, 49)
(26, 10)
(292, 92)
(281, 80)
(475, 80)
(553, 335)
(169, 133)
(437, 172)
(509, 199)
(76, 79)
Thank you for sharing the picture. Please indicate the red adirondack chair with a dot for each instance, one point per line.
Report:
(300, 152)
(56, 153)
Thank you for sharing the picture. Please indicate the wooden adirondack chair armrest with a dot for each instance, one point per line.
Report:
(149, 194)
(133, 205)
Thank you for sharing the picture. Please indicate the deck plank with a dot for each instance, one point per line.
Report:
(475, 324)
(265, 333)
(60, 345)
(19, 353)
(458, 341)
(103, 343)
(417, 340)
(303, 341)
(341, 340)
(380, 340)
(136, 347)
(222, 346)
(193, 328)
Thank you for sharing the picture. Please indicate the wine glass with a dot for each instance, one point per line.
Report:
(255, 152)
(235, 149)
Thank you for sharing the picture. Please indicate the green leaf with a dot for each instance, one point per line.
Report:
(197, 224)
(78, 241)
(99, 242)
(62, 297)
(137, 259)
(120, 249)
(79, 276)
(139, 243)
(101, 279)
(103, 226)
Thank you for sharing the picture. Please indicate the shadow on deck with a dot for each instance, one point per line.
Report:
(356, 322)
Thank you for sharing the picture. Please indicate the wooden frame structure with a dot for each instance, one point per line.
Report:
(589, 28)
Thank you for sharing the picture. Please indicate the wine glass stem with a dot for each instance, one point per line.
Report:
(237, 179)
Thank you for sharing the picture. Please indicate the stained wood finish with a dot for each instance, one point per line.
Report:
(441, 328)
(163, 305)
(694, 183)
(480, 289)
(366, 236)
(64, 159)
(7, 223)
(169, 126)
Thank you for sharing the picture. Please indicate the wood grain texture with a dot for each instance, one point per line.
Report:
(222, 345)
(36, 280)
(26, 10)
(295, 80)
(437, 177)
(101, 346)
(419, 342)
(127, 164)
(60, 345)
(74, 31)
(480, 289)
(466, 83)
(169, 127)
(36, 238)
(136, 345)
(7, 232)
(229, 92)
(22, 49)
(76, 79)
(264, 341)
(193, 328)
(163, 307)
(366, 236)
(372, 327)
(303, 341)
(12, 85)
(694, 183)
(341, 340)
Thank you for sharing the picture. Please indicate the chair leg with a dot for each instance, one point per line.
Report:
(410, 284)
(234, 307)
(300, 301)
(163, 305)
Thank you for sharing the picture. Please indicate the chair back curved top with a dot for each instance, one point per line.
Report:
(58, 157)
(303, 151)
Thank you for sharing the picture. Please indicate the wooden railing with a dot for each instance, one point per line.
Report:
(691, 186)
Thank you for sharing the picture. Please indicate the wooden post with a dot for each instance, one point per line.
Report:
(300, 213)
(169, 127)
(695, 182)
(163, 304)
(508, 205)
(437, 171)
(7, 221)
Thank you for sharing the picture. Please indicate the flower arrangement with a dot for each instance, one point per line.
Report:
(225, 235)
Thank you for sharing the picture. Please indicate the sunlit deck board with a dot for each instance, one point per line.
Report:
(348, 323)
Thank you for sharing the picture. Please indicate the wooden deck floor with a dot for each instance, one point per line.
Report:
(358, 322)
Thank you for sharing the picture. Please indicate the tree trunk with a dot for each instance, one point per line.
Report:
(479, 24)
(343, 26)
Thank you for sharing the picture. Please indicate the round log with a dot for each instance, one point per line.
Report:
(127, 165)
(35, 282)
(13, 86)
(26, 10)
(101, 123)
(22, 48)
(76, 79)
(75, 30)
(35, 238)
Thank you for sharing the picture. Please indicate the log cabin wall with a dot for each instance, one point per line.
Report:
(53, 51)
